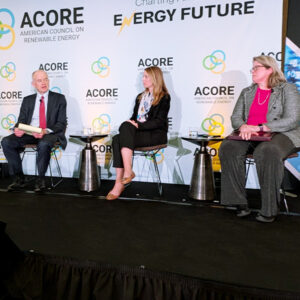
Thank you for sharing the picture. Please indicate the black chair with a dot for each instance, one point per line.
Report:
(150, 152)
(250, 161)
(33, 148)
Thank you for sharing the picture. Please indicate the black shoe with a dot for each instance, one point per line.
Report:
(17, 185)
(264, 219)
(40, 185)
(243, 211)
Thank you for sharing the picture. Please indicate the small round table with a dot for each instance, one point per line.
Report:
(202, 182)
(89, 177)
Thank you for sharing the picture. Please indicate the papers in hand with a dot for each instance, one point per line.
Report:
(29, 129)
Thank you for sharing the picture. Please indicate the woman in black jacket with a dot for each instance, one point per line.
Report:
(148, 126)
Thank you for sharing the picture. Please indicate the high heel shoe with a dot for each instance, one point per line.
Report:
(111, 196)
(127, 180)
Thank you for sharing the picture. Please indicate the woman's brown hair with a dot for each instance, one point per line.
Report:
(159, 86)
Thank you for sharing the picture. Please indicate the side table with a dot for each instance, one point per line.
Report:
(202, 185)
(89, 177)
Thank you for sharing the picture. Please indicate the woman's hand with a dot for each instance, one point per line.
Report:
(266, 128)
(133, 123)
(247, 130)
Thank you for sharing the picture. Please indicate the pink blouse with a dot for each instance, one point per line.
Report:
(259, 107)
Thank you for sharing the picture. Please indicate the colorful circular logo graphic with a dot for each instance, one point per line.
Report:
(101, 67)
(56, 89)
(215, 62)
(8, 71)
(9, 121)
(213, 124)
(58, 152)
(102, 124)
(7, 33)
(159, 156)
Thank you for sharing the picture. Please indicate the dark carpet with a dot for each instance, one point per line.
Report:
(169, 234)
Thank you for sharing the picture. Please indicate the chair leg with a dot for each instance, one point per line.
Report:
(22, 158)
(152, 155)
(36, 160)
(23, 154)
(160, 188)
(53, 185)
(248, 163)
(50, 170)
(284, 201)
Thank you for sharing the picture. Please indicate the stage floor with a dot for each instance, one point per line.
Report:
(169, 234)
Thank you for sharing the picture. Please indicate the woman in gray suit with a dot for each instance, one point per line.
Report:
(270, 104)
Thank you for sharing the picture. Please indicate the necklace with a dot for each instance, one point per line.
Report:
(263, 102)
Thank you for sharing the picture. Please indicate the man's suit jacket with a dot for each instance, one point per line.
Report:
(56, 114)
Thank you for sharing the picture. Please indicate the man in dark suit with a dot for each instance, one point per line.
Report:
(46, 110)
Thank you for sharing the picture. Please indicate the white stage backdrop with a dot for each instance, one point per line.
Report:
(95, 53)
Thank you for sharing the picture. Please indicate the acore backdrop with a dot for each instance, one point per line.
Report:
(95, 53)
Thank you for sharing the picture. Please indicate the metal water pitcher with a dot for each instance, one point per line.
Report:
(89, 179)
(202, 182)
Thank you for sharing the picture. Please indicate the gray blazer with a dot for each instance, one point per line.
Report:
(283, 111)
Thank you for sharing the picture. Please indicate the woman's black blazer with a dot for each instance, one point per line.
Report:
(157, 116)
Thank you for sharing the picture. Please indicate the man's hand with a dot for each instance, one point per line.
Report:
(18, 132)
(39, 135)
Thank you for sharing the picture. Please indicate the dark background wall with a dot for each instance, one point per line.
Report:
(293, 23)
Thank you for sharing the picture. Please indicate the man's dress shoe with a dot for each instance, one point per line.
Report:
(17, 184)
(40, 185)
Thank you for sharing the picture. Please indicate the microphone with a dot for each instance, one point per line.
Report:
(272, 90)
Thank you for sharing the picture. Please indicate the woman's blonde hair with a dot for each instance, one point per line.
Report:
(276, 76)
(159, 86)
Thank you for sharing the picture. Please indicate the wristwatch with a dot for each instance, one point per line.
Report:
(261, 127)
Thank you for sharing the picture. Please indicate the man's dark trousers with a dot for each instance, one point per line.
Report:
(13, 145)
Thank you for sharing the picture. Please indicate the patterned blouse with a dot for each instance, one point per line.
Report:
(144, 107)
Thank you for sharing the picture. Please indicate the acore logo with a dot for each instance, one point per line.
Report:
(159, 156)
(8, 71)
(7, 33)
(56, 89)
(56, 152)
(102, 124)
(101, 67)
(215, 62)
(213, 124)
(9, 121)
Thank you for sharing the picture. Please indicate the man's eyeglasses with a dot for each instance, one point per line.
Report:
(256, 68)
